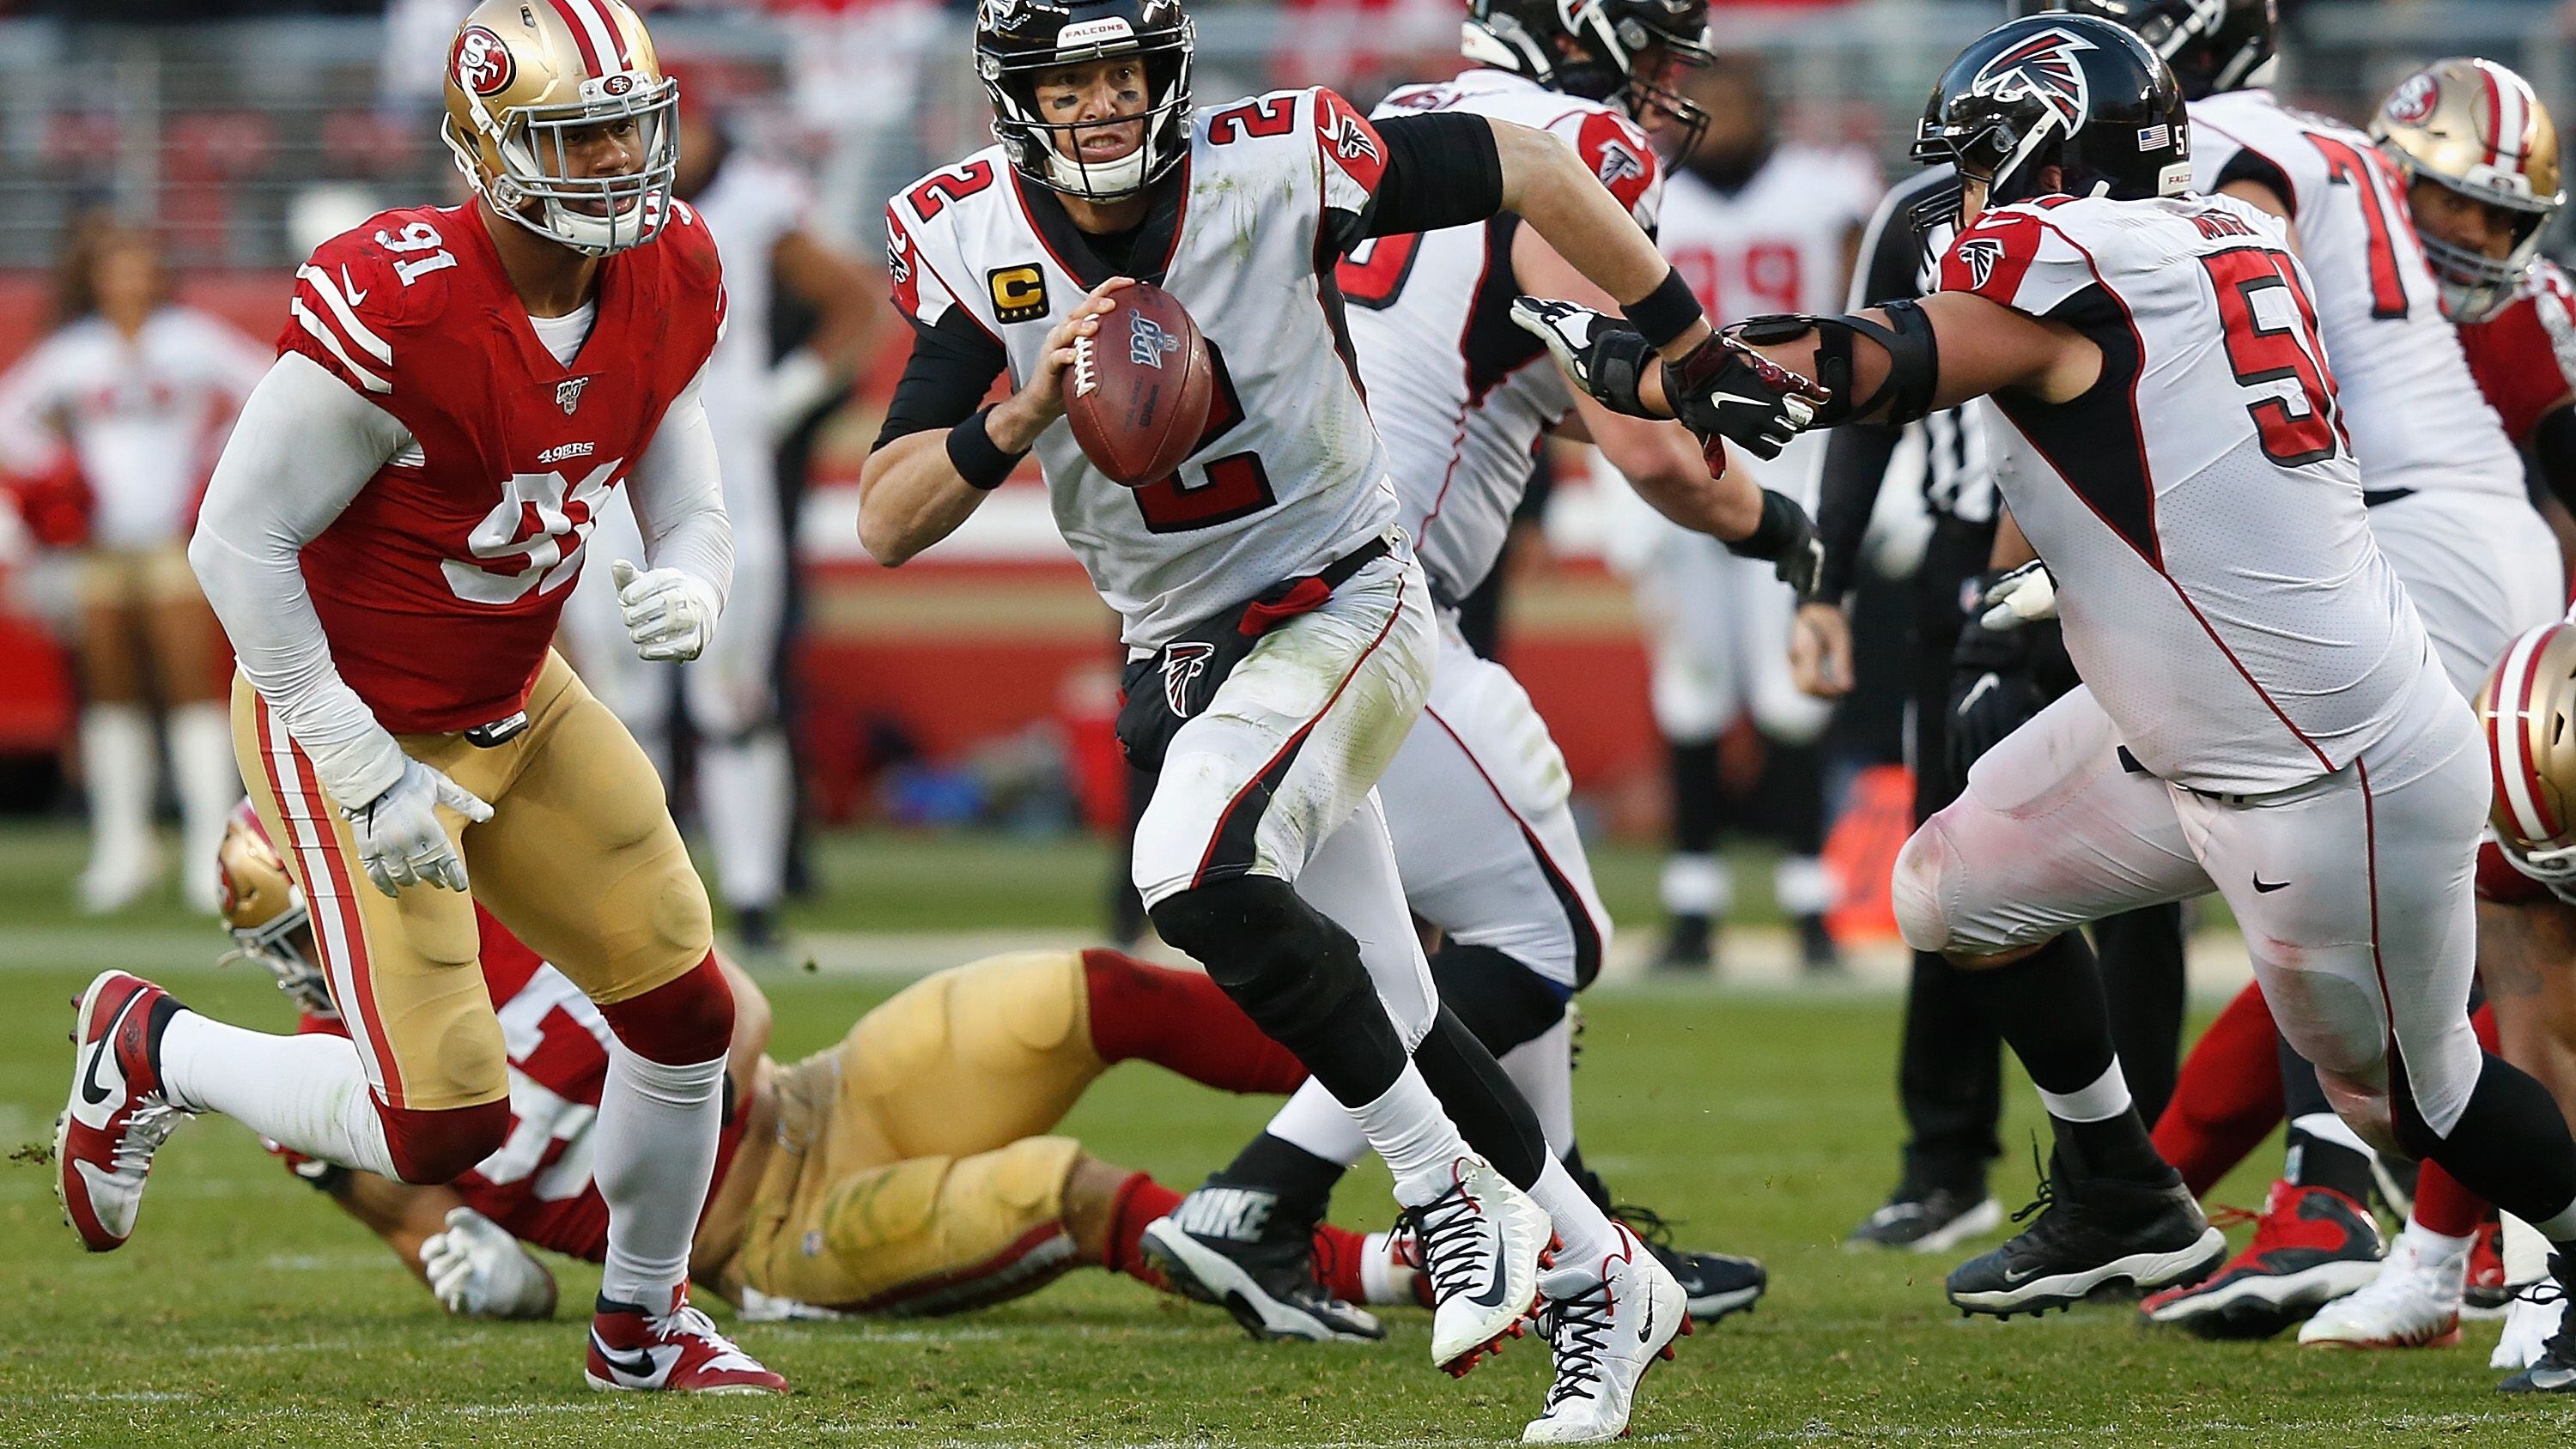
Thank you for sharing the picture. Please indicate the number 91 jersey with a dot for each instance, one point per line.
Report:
(1289, 473)
(439, 585)
(2218, 582)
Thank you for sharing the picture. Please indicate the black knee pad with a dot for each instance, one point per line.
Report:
(1295, 972)
(1502, 1001)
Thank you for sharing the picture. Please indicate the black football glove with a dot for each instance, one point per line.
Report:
(1723, 389)
(1601, 354)
(1787, 537)
(1992, 692)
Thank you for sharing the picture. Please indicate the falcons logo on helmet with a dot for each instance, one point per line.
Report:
(1979, 254)
(2043, 67)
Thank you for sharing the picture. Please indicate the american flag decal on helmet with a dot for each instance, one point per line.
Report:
(2045, 67)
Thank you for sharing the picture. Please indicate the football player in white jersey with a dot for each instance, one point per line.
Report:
(1267, 583)
(2263, 714)
(1478, 801)
(758, 211)
(1758, 224)
(2447, 503)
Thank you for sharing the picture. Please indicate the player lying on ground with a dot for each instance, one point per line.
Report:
(389, 538)
(2263, 714)
(1478, 801)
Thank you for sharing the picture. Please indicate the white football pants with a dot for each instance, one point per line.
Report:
(2481, 568)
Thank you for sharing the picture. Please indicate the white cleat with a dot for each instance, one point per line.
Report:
(116, 1116)
(1607, 1323)
(2528, 1324)
(1483, 1241)
(2413, 1303)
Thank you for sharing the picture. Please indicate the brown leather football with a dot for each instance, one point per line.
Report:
(1139, 390)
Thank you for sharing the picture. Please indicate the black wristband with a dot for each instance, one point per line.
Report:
(976, 457)
(1666, 312)
(1783, 524)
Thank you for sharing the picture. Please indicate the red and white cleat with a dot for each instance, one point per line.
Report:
(1607, 1323)
(679, 1351)
(116, 1117)
(1482, 1242)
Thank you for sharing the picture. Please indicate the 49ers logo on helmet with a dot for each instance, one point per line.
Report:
(2413, 102)
(2043, 67)
(482, 63)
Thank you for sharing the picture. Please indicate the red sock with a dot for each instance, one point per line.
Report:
(2228, 1096)
(1180, 1021)
(2441, 1203)
(1337, 1262)
(1138, 1201)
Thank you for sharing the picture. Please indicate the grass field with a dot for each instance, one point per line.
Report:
(246, 1312)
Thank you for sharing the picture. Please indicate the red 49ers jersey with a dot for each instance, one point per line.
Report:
(538, 1186)
(439, 586)
(2524, 357)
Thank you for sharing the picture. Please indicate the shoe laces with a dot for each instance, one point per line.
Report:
(1457, 1242)
(1578, 1333)
(2561, 1344)
(146, 1128)
(2044, 1198)
(1651, 1227)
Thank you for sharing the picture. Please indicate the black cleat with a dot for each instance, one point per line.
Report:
(1716, 1284)
(1817, 953)
(2088, 1234)
(1223, 1246)
(1690, 944)
(1927, 1221)
(2554, 1372)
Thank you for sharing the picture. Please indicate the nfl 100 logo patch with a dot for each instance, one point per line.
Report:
(1147, 341)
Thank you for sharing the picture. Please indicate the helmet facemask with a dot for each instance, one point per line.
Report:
(2474, 285)
(284, 946)
(534, 185)
(1051, 154)
(1611, 59)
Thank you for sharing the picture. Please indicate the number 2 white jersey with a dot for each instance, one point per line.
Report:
(1459, 393)
(2219, 585)
(2416, 416)
(1290, 474)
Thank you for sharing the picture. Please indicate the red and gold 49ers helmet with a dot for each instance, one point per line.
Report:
(264, 909)
(523, 77)
(2528, 713)
(2476, 128)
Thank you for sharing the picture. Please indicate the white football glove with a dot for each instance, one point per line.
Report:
(399, 837)
(2025, 595)
(759, 1307)
(669, 613)
(479, 1271)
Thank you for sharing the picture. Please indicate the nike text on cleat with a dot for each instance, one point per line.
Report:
(2090, 1234)
(2311, 1246)
(2554, 1371)
(2413, 1302)
(116, 1116)
(1933, 1221)
(1267, 1282)
(677, 1351)
(1606, 1324)
(1481, 1239)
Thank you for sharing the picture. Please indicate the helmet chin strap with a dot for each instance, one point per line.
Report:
(1101, 181)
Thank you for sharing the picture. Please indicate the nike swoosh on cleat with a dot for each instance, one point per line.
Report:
(1646, 1330)
(635, 1364)
(1492, 1297)
(91, 1092)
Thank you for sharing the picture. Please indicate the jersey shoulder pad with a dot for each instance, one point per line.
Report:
(1405, 100)
(924, 251)
(2024, 256)
(364, 290)
(2250, 124)
(1614, 149)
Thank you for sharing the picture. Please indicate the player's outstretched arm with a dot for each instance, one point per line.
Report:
(937, 458)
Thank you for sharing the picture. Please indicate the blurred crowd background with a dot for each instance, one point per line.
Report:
(193, 151)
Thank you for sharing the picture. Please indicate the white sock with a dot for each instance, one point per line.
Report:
(307, 1093)
(1377, 1273)
(1586, 1230)
(1804, 886)
(655, 1152)
(2106, 1098)
(745, 793)
(2526, 1251)
(1697, 885)
(1543, 1068)
(2433, 1247)
(1312, 1120)
(1410, 1129)
(2561, 1228)
(118, 763)
(201, 759)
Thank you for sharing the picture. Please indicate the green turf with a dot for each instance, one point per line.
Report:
(247, 1313)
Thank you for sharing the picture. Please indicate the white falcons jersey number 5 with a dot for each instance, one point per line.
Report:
(1288, 474)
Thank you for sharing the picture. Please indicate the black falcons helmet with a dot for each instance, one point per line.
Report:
(2072, 91)
(1593, 48)
(1017, 40)
(2212, 45)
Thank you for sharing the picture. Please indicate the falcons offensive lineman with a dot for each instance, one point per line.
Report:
(2445, 491)
(1478, 801)
(388, 539)
(2263, 714)
(1263, 852)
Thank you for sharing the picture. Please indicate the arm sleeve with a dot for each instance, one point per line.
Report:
(677, 492)
(303, 447)
(1856, 457)
(1442, 170)
(952, 367)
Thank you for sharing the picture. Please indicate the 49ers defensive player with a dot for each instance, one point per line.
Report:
(388, 539)
(1272, 563)
(2263, 714)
